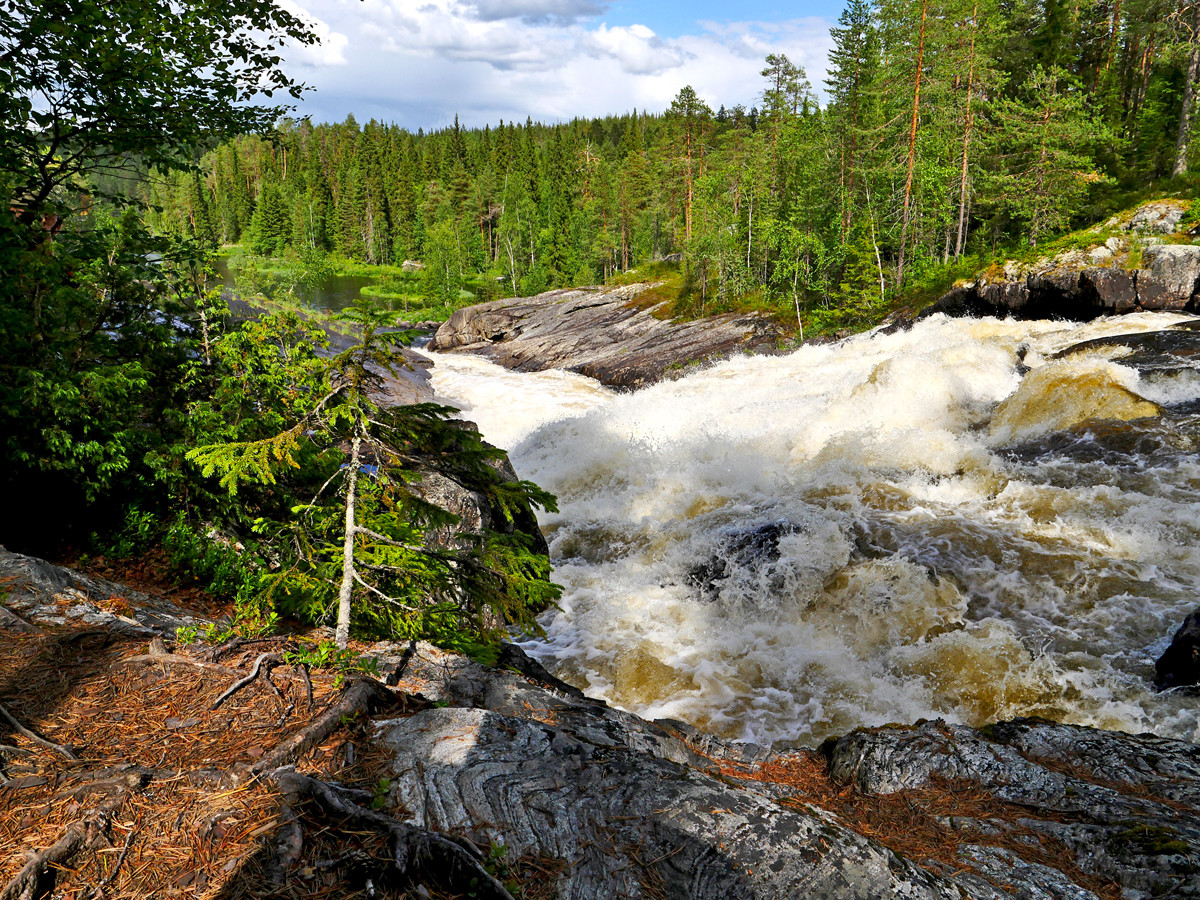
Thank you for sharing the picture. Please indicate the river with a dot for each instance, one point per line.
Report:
(895, 527)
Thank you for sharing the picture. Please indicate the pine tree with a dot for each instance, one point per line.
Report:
(1042, 153)
(270, 225)
(853, 66)
(690, 116)
(367, 549)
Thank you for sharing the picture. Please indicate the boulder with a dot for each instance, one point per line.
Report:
(484, 324)
(476, 509)
(603, 333)
(962, 300)
(1003, 296)
(1180, 664)
(1158, 217)
(1109, 290)
(1168, 277)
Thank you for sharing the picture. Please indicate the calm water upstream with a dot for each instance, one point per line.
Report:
(335, 292)
(894, 527)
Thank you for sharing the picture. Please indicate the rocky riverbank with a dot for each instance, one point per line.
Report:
(554, 794)
(599, 332)
(1141, 261)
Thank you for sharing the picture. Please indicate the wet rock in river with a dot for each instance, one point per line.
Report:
(1169, 351)
(750, 548)
(1180, 664)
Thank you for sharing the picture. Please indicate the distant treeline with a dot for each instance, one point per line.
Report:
(951, 127)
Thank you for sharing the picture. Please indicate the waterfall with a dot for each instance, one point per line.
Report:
(946, 522)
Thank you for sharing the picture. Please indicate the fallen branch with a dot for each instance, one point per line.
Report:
(416, 852)
(21, 729)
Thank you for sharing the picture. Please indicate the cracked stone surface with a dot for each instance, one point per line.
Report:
(635, 807)
(1127, 805)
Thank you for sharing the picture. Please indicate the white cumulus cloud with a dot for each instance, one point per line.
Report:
(330, 49)
(536, 10)
(420, 62)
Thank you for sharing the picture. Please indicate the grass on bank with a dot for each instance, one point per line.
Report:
(674, 295)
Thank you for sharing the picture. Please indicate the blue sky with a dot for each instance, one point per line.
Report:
(672, 18)
(418, 63)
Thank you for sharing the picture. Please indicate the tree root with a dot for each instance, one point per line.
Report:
(98, 890)
(13, 622)
(33, 736)
(172, 659)
(37, 877)
(362, 696)
(269, 659)
(289, 847)
(416, 853)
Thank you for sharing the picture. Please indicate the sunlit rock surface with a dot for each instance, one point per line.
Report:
(597, 332)
(621, 807)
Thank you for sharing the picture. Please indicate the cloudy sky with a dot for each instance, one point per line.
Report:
(418, 63)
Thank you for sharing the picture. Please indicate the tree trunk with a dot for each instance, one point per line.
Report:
(962, 188)
(912, 146)
(848, 193)
(1189, 99)
(687, 212)
(1039, 198)
(343, 620)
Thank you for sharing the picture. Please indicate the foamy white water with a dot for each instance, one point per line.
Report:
(896, 527)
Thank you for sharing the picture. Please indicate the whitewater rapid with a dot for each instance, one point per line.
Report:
(894, 527)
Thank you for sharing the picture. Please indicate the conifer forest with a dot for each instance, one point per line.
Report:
(945, 129)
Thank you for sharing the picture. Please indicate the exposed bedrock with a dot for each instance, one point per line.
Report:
(1167, 280)
(631, 808)
(599, 332)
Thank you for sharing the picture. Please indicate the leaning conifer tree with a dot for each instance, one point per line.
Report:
(365, 539)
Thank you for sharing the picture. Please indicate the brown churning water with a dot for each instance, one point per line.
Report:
(955, 521)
